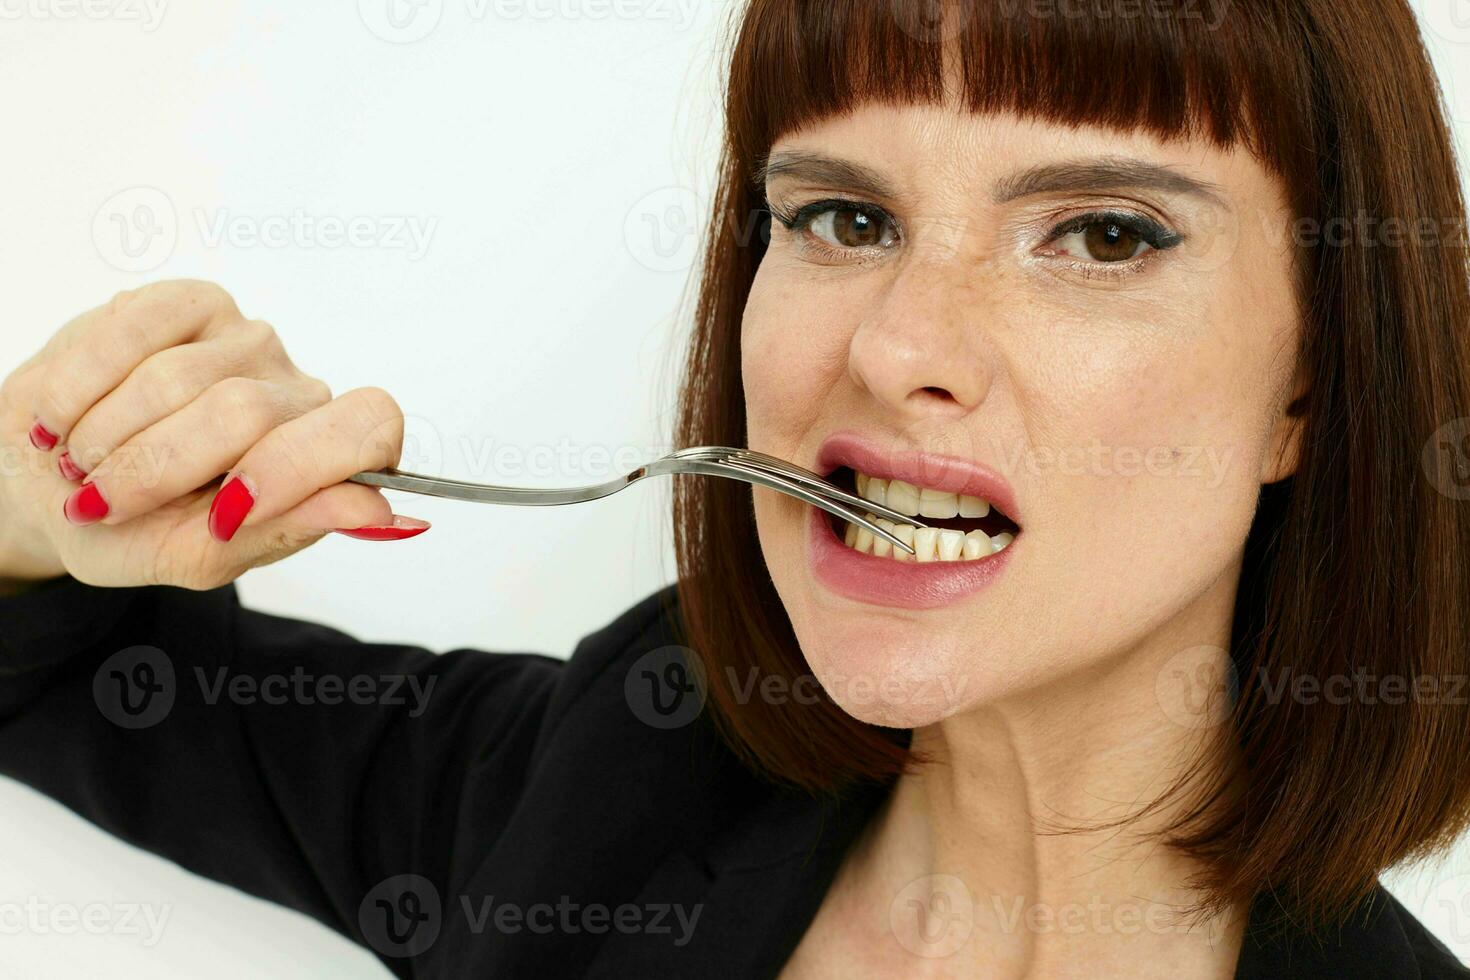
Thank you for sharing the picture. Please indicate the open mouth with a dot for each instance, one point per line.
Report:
(961, 527)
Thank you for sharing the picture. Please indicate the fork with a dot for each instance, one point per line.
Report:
(745, 465)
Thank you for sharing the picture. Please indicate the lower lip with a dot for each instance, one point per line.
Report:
(886, 582)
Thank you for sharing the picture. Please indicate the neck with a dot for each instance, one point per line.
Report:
(978, 832)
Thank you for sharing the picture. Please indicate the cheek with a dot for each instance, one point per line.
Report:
(1149, 443)
(793, 350)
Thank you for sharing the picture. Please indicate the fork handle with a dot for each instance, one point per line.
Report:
(435, 486)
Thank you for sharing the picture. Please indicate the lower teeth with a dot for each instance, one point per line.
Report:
(929, 544)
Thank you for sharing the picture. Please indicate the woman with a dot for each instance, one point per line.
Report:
(1156, 312)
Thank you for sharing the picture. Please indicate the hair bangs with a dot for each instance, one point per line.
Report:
(1211, 69)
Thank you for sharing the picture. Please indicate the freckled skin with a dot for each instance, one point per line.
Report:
(1090, 394)
(1136, 415)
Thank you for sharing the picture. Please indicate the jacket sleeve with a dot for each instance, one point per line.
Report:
(282, 757)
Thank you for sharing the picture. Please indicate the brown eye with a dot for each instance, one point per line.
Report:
(853, 227)
(1107, 241)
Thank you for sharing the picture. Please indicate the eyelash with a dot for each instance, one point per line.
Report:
(1151, 232)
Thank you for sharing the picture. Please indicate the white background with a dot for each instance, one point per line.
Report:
(554, 157)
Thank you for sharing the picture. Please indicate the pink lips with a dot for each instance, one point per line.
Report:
(948, 473)
(909, 585)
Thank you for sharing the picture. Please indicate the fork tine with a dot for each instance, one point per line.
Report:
(803, 476)
(775, 481)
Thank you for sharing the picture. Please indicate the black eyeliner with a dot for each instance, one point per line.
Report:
(803, 215)
(1155, 234)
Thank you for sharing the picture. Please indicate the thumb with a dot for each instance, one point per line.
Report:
(348, 508)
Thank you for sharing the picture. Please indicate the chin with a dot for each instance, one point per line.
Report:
(902, 681)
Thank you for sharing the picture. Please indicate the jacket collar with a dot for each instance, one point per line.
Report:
(759, 886)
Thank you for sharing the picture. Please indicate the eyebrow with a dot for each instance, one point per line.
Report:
(1105, 174)
(1102, 174)
(817, 169)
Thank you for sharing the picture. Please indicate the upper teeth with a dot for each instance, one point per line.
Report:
(915, 501)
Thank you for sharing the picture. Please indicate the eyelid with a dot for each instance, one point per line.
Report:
(810, 210)
(1158, 235)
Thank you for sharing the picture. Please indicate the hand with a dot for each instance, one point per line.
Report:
(164, 439)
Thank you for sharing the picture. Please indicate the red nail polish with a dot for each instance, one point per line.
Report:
(401, 528)
(68, 468)
(86, 506)
(230, 506)
(43, 438)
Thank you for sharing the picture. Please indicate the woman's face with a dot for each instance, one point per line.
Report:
(1091, 330)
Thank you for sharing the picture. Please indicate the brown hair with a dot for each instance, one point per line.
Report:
(1357, 562)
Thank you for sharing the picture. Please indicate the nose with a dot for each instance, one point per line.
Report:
(925, 350)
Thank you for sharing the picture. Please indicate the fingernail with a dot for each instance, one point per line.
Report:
(68, 468)
(86, 506)
(230, 506)
(401, 528)
(43, 438)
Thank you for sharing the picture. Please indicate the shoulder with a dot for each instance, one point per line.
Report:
(633, 676)
(1378, 938)
(602, 656)
(1434, 958)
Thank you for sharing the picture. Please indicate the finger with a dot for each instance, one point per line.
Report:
(168, 381)
(187, 449)
(361, 430)
(347, 508)
(104, 346)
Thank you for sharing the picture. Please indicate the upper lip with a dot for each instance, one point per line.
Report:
(950, 474)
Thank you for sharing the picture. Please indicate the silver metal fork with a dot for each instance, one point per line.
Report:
(744, 465)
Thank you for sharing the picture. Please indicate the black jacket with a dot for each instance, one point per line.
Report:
(465, 814)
